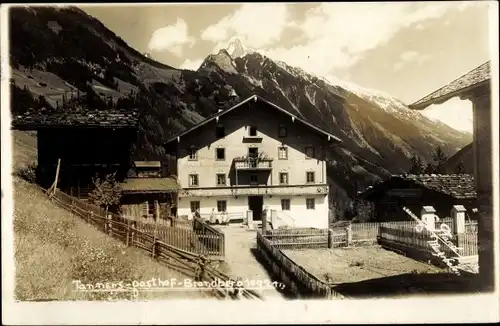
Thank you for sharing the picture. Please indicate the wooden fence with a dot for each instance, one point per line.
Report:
(188, 263)
(299, 283)
(402, 234)
(301, 238)
(298, 238)
(210, 244)
(405, 238)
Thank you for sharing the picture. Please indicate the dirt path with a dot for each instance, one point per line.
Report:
(242, 263)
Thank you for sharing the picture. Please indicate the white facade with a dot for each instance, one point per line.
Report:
(297, 216)
(291, 181)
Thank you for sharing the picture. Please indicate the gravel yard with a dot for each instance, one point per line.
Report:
(375, 272)
(345, 265)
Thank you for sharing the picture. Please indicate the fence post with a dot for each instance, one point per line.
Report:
(458, 216)
(250, 219)
(348, 232)
(132, 236)
(127, 239)
(427, 215)
(110, 225)
(89, 216)
(264, 224)
(330, 238)
(155, 235)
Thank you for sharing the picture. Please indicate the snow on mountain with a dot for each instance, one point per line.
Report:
(236, 49)
(387, 102)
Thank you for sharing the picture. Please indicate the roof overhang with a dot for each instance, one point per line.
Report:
(331, 138)
(149, 185)
(465, 87)
(464, 94)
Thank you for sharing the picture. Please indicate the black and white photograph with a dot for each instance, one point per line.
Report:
(237, 163)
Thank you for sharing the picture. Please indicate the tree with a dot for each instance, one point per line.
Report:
(460, 168)
(106, 193)
(417, 165)
(439, 160)
(429, 169)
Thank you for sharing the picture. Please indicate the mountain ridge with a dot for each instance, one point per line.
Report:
(84, 63)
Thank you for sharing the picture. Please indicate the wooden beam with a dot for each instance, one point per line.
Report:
(57, 176)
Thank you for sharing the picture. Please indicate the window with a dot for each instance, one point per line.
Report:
(220, 131)
(195, 205)
(220, 154)
(151, 208)
(253, 178)
(282, 131)
(221, 206)
(193, 154)
(221, 179)
(285, 204)
(193, 180)
(309, 152)
(282, 153)
(252, 131)
(310, 203)
(310, 177)
(283, 178)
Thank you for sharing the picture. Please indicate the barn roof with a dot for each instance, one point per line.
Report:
(147, 164)
(78, 119)
(459, 186)
(255, 98)
(475, 78)
(149, 185)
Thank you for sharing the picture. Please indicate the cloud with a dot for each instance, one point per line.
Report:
(340, 34)
(171, 38)
(256, 24)
(455, 112)
(191, 64)
(411, 57)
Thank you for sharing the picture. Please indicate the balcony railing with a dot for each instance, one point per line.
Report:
(251, 163)
(288, 190)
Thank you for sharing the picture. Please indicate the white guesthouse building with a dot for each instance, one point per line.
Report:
(251, 159)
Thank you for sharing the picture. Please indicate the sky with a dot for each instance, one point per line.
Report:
(405, 49)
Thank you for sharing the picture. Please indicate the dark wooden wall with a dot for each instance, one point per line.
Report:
(84, 152)
(390, 208)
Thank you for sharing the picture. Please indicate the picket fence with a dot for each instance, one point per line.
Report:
(298, 281)
(207, 241)
(355, 234)
(193, 265)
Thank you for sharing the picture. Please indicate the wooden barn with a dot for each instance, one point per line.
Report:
(88, 143)
(147, 194)
(387, 198)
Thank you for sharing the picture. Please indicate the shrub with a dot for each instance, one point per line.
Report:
(106, 193)
(28, 173)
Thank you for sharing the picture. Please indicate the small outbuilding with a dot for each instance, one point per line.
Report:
(386, 199)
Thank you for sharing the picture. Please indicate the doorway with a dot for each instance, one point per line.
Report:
(253, 154)
(255, 204)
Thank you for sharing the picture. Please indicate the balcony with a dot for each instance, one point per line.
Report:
(253, 163)
(288, 190)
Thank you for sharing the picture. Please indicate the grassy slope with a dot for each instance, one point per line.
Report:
(53, 248)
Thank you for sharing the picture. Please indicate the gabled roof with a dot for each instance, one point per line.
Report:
(475, 78)
(255, 98)
(78, 119)
(459, 186)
